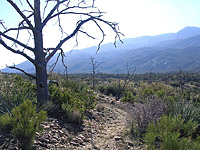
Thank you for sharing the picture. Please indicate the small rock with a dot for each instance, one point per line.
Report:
(42, 144)
(130, 144)
(117, 138)
(73, 143)
(46, 127)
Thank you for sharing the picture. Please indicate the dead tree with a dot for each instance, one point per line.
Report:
(95, 66)
(35, 16)
(122, 88)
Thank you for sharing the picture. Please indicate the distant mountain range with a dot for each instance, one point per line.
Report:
(162, 53)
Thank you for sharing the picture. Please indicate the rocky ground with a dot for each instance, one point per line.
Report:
(104, 129)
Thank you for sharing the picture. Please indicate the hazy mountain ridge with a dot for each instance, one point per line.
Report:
(161, 53)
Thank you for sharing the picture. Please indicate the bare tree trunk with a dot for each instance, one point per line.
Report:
(41, 81)
(41, 64)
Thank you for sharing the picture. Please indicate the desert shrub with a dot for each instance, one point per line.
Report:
(72, 115)
(171, 133)
(145, 113)
(142, 91)
(74, 85)
(14, 91)
(186, 109)
(128, 97)
(109, 89)
(101, 88)
(24, 122)
(71, 103)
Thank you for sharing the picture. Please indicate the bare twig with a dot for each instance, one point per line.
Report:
(14, 29)
(67, 38)
(30, 5)
(16, 41)
(20, 13)
(2, 24)
(14, 67)
(51, 12)
(95, 66)
(17, 51)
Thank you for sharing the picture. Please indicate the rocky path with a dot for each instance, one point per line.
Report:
(110, 135)
(104, 129)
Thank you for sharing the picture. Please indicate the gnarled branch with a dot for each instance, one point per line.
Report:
(17, 51)
(68, 37)
(14, 67)
(51, 12)
(16, 41)
(21, 13)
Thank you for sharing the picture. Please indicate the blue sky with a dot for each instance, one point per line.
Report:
(135, 17)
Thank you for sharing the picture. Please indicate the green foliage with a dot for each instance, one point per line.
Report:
(24, 122)
(171, 133)
(128, 97)
(109, 89)
(188, 110)
(76, 86)
(72, 103)
(14, 91)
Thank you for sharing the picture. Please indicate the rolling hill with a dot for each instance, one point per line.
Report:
(161, 53)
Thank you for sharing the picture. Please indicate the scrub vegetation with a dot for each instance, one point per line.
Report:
(163, 109)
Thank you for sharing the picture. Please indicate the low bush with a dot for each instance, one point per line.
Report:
(72, 103)
(23, 122)
(171, 133)
(128, 97)
(145, 113)
(14, 91)
(187, 109)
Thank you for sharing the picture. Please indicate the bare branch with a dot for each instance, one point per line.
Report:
(14, 67)
(78, 13)
(14, 29)
(55, 63)
(68, 37)
(103, 35)
(62, 54)
(20, 13)
(17, 51)
(21, 2)
(115, 28)
(87, 34)
(2, 24)
(21, 23)
(30, 5)
(59, 23)
(51, 13)
(16, 41)
(63, 11)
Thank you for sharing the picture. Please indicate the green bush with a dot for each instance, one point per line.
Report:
(72, 103)
(128, 97)
(24, 122)
(74, 85)
(14, 92)
(187, 109)
(171, 133)
(109, 89)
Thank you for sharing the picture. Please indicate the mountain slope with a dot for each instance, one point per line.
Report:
(161, 53)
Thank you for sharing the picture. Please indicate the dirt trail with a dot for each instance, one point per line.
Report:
(110, 136)
(112, 131)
